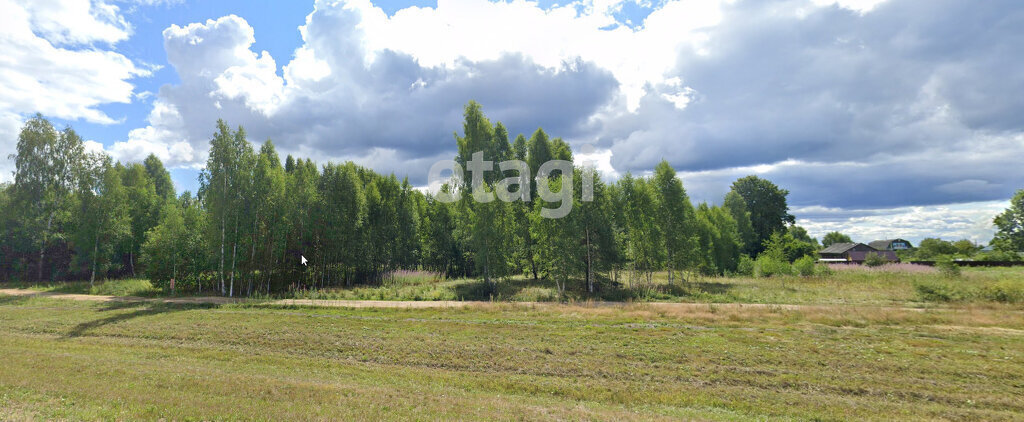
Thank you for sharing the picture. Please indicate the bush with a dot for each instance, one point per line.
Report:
(999, 256)
(823, 270)
(804, 266)
(745, 266)
(769, 267)
(1003, 291)
(949, 291)
(129, 287)
(934, 291)
(875, 260)
(948, 268)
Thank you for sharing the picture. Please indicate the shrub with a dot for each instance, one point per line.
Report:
(1003, 291)
(999, 256)
(948, 268)
(937, 291)
(745, 266)
(129, 287)
(875, 260)
(767, 266)
(823, 270)
(949, 291)
(804, 266)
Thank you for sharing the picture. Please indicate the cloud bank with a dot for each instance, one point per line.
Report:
(852, 105)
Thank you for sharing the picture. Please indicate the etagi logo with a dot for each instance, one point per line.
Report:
(503, 188)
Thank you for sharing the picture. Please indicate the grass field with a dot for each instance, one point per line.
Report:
(82, 360)
(857, 344)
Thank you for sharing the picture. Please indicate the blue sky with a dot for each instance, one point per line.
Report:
(883, 118)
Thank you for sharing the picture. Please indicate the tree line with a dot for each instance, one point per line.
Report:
(72, 214)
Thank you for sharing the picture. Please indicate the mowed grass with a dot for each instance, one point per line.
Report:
(82, 360)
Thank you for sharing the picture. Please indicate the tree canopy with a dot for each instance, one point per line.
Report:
(766, 203)
(77, 215)
(1009, 224)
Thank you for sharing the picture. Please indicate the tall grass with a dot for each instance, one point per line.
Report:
(128, 287)
(901, 267)
(399, 278)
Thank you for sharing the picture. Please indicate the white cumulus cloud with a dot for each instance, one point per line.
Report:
(58, 60)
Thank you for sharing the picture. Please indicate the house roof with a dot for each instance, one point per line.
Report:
(884, 244)
(880, 244)
(858, 256)
(838, 247)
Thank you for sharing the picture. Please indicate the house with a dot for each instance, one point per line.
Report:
(891, 244)
(853, 252)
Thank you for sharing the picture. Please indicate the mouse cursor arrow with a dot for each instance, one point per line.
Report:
(303, 259)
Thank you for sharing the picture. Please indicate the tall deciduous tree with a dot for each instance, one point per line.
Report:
(488, 236)
(103, 218)
(737, 208)
(143, 207)
(1010, 226)
(558, 250)
(160, 177)
(223, 186)
(835, 237)
(47, 167)
(675, 220)
(644, 244)
(800, 233)
(766, 203)
(593, 219)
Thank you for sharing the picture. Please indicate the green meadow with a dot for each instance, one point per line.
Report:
(865, 346)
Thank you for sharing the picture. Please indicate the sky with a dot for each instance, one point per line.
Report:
(883, 118)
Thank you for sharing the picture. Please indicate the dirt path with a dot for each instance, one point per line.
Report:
(667, 306)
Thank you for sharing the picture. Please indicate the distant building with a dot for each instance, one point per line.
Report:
(853, 252)
(891, 244)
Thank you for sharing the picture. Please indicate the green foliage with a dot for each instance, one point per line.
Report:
(766, 203)
(784, 247)
(1010, 226)
(678, 223)
(737, 207)
(143, 206)
(875, 260)
(800, 234)
(745, 266)
(74, 215)
(643, 240)
(835, 237)
(126, 287)
(1005, 291)
(538, 151)
(999, 256)
(805, 266)
(487, 233)
(771, 266)
(965, 248)
(161, 178)
(104, 221)
(939, 291)
(948, 268)
(932, 248)
(48, 167)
